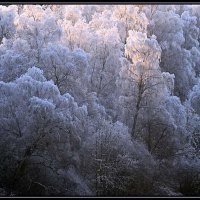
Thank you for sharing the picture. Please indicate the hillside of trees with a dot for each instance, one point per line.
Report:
(100, 100)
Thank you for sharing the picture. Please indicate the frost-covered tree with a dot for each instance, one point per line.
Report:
(129, 17)
(138, 69)
(38, 29)
(191, 31)
(7, 26)
(67, 69)
(41, 134)
(169, 29)
(78, 35)
(193, 115)
(104, 66)
(146, 91)
(187, 161)
(116, 162)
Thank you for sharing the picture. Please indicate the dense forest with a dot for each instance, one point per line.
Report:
(100, 100)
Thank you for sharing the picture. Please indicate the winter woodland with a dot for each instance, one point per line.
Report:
(100, 100)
